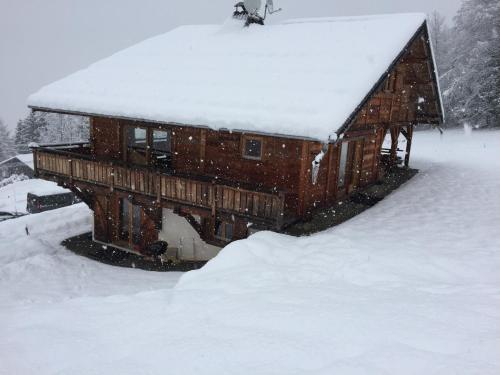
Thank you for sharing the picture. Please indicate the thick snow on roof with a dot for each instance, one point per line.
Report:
(23, 158)
(27, 159)
(300, 78)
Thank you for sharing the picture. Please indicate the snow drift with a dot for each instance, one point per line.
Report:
(410, 286)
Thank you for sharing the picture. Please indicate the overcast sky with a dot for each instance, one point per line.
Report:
(44, 40)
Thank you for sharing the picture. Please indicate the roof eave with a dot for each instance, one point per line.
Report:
(201, 126)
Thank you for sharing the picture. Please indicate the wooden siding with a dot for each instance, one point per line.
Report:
(215, 155)
(105, 137)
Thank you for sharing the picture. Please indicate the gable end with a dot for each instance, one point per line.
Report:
(408, 92)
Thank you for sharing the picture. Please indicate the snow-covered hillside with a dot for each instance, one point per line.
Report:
(411, 286)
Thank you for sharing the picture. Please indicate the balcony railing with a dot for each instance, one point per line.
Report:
(75, 163)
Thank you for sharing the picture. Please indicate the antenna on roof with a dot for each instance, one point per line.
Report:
(248, 10)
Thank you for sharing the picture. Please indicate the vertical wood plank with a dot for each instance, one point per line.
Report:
(304, 158)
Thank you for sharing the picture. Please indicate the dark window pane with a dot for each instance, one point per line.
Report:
(253, 148)
(218, 229)
(136, 138)
(124, 219)
(161, 141)
(223, 230)
(229, 231)
(136, 225)
(343, 165)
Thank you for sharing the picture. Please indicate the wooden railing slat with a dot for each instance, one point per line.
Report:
(198, 193)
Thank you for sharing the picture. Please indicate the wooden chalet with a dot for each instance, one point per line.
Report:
(209, 171)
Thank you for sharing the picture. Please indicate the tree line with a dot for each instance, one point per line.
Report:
(42, 128)
(468, 60)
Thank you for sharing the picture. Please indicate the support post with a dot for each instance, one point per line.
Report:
(70, 162)
(281, 211)
(214, 199)
(158, 188)
(112, 180)
(35, 162)
(409, 140)
(394, 145)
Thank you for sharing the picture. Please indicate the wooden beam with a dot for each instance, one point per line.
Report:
(408, 145)
(394, 145)
(404, 132)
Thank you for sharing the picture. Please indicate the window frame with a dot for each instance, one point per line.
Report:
(244, 140)
(223, 224)
(169, 140)
(342, 175)
(148, 151)
(391, 80)
(127, 139)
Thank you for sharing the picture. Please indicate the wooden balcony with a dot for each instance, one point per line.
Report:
(70, 164)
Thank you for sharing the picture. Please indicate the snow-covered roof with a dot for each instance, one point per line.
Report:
(23, 158)
(300, 78)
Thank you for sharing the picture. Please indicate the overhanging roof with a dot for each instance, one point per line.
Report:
(302, 78)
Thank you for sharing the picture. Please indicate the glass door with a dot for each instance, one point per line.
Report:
(130, 233)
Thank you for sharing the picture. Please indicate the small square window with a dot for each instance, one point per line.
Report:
(161, 140)
(229, 231)
(224, 230)
(136, 138)
(252, 148)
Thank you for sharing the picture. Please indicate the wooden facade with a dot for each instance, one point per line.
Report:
(244, 180)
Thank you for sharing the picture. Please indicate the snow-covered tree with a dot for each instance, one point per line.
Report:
(28, 131)
(6, 143)
(64, 129)
(471, 83)
(442, 43)
(50, 128)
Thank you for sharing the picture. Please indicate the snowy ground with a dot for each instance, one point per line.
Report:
(411, 286)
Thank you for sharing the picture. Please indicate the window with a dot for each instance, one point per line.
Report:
(161, 148)
(124, 219)
(137, 138)
(252, 148)
(136, 225)
(161, 141)
(224, 230)
(390, 82)
(343, 165)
